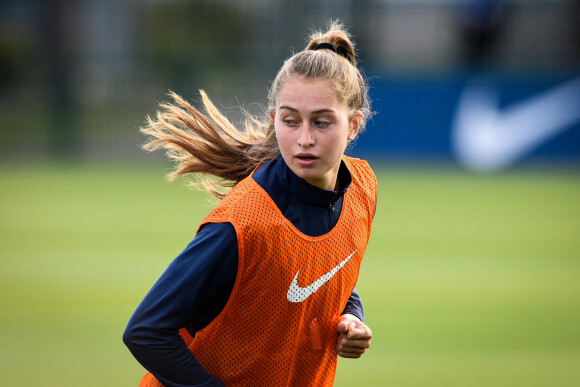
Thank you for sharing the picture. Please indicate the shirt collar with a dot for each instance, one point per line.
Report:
(304, 191)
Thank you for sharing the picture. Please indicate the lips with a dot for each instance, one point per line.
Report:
(306, 159)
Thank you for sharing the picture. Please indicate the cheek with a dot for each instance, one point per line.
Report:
(281, 137)
(342, 140)
(336, 146)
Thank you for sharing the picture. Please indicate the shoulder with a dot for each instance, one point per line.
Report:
(245, 198)
(356, 163)
(364, 187)
(360, 170)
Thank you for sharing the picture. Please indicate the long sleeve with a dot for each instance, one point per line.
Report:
(354, 306)
(197, 283)
(196, 286)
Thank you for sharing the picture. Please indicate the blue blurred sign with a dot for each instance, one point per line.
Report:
(484, 123)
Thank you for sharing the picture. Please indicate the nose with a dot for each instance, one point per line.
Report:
(305, 139)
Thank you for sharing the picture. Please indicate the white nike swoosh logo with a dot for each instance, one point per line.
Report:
(487, 139)
(298, 294)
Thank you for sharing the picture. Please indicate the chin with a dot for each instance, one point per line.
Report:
(305, 175)
(314, 179)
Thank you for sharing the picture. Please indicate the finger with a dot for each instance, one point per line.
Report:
(354, 344)
(351, 349)
(348, 356)
(351, 354)
(342, 327)
(343, 343)
(359, 333)
(351, 329)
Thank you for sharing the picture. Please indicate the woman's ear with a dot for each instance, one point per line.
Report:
(355, 124)
(272, 114)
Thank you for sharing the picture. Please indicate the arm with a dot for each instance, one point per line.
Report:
(187, 293)
(354, 337)
(354, 306)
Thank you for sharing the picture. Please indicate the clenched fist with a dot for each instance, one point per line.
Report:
(354, 337)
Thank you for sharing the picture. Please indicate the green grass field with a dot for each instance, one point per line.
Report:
(468, 280)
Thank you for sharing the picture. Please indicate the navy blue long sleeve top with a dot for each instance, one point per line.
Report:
(197, 284)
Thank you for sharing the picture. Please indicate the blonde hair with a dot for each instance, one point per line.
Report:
(209, 146)
(339, 68)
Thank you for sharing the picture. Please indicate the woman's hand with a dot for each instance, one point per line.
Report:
(354, 337)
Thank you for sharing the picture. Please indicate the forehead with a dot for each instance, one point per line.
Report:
(308, 93)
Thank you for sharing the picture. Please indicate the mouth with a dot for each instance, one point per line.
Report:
(306, 159)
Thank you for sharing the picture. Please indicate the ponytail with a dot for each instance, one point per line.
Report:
(207, 145)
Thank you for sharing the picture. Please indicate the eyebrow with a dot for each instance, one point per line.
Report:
(319, 111)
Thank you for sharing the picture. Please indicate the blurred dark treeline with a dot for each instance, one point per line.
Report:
(78, 77)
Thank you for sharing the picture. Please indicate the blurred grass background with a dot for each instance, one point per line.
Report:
(468, 280)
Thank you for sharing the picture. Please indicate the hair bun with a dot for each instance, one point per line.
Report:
(329, 46)
(336, 39)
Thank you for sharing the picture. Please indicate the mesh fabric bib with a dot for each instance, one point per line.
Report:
(278, 327)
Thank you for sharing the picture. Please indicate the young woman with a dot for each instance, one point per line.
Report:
(265, 295)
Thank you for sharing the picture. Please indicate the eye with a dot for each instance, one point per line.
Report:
(290, 122)
(321, 123)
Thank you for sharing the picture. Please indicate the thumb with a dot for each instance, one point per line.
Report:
(351, 327)
(342, 327)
